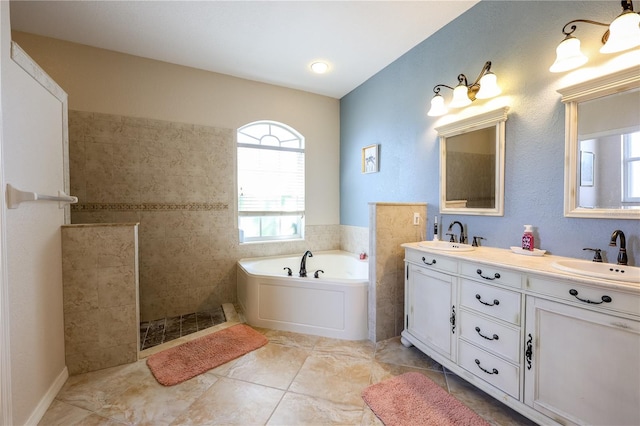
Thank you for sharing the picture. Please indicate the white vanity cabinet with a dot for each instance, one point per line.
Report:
(556, 348)
(430, 291)
(583, 355)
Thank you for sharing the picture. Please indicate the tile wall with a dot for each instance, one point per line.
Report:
(390, 225)
(177, 181)
(100, 295)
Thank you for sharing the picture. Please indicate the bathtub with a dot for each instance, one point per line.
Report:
(333, 305)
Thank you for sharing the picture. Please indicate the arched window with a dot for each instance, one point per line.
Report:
(270, 182)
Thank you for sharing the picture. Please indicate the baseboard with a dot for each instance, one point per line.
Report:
(48, 397)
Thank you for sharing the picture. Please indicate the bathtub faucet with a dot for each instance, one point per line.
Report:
(303, 263)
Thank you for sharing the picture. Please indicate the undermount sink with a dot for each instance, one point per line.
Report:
(608, 271)
(445, 246)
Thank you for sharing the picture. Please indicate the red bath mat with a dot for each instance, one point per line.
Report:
(197, 356)
(413, 399)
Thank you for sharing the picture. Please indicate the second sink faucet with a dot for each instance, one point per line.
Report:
(463, 238)
(622, 254)
(303, 263)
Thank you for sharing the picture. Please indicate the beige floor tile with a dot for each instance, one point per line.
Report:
(271, 365)
(148, 402)
(357, 348)
(370, 419)
(232, 402)
(391, 351)
(296, 409)
(337, 378)
(489, 408)
(92, 391)
(288, 338)
(63, 414)
(381, 371)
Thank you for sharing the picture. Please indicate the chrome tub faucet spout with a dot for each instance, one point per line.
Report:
(303, 263)
(622, 254)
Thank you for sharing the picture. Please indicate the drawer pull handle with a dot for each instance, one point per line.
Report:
(495, 276)
(495, 301)
(493, 370)
(433, 262)
(605, 298)
(495, 336)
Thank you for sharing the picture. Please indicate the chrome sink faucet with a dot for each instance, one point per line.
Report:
(622, 254)
(463, 238)
(303, 263)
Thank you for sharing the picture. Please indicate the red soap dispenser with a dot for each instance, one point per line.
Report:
(527, 238)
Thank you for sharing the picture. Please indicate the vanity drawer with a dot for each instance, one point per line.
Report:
(431, 261)
(490, 368)
(491, 274)
(491, 335)
(593, 297)
(494, 301)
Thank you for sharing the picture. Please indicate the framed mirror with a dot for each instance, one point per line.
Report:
(602, 147)
(472, 164)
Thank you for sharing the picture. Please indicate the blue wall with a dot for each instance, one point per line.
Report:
(390, 109)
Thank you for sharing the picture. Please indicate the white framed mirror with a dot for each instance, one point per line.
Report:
(472, 164)
(602, 147)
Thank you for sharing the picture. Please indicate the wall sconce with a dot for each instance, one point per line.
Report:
(484, 87)
(623, 34)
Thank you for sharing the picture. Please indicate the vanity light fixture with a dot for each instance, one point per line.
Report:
(484, 87)
(623, 34)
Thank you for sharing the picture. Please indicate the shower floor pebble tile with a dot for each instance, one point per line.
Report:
(295, 379)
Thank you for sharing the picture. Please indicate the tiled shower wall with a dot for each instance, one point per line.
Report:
(177, 181)
(100, 285)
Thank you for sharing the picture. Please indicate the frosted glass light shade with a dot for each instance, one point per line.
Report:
(460, 97)
(568, 56)
(437, 106)
(624, 33)
(488, 86)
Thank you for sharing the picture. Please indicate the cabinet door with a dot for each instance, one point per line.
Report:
(584, 365)
(431, 309)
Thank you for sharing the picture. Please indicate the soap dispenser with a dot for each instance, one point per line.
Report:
(527, 238)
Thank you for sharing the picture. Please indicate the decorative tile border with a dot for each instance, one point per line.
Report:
(98, 207)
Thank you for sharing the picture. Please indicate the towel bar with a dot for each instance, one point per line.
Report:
(15, 197)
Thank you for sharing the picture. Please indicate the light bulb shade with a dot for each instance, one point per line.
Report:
(437, 106)
(568, 55)
(460, 97)
(624, 33)
(488, 86)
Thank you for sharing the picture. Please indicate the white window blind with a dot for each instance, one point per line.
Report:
(271, 166)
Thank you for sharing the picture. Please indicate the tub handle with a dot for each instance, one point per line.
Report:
(315, 274)
(289, 273)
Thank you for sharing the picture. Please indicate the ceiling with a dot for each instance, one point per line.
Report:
(268, 41)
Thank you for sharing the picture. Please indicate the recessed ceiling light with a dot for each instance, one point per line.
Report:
(319, 67)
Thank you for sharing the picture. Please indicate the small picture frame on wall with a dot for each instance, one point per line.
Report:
(586, 168)
(370, 161)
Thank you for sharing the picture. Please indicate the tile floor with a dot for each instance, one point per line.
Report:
(296, 379)
(156, 332)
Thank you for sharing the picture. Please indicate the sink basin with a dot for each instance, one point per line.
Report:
(445, 246)
(607, 271)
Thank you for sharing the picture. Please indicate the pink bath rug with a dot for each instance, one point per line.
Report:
(197, 356)
(413, 399)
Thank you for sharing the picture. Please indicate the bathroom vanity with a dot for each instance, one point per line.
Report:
(554, 346)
